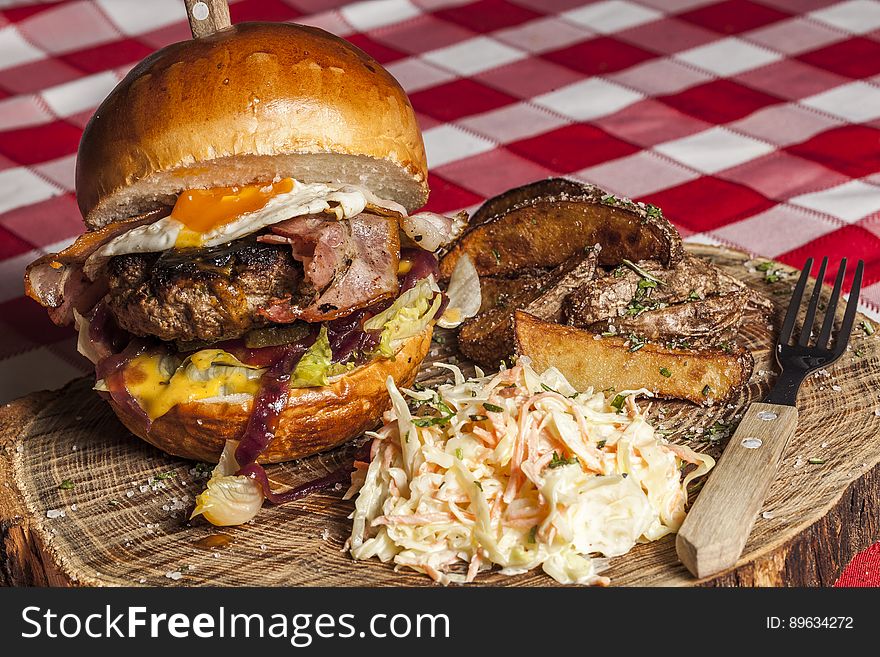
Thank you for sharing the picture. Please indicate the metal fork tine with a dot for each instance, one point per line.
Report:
(850, 314)
(810, 317)
(795, 303)
(831, 312)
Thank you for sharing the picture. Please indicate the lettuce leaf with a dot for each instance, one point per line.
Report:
(409, 315)
(313, 368)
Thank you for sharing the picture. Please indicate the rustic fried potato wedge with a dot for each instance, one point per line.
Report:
(487, 338)
(703, 376)
(502, 292)
(703, 322)
(545, 223)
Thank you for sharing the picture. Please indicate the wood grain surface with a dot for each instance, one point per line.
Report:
(207, 16)
(126, 503)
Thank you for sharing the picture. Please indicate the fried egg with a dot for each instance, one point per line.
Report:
(211, 217)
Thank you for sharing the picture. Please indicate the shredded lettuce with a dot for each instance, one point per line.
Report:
(314, 367)
(409, 315)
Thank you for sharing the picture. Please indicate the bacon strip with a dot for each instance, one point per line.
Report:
(56, 280)
(348, 264)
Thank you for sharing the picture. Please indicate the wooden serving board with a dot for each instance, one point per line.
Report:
(124, 519)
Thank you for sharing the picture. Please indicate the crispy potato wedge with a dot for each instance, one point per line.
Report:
(544, 223)
(487, 338)
(703, 322)
(498, 291)
(703, 376)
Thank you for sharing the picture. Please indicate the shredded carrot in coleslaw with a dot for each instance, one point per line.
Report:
(515, 470)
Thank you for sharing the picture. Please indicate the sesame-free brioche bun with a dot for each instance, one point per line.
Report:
(316, 419)
(245, 105)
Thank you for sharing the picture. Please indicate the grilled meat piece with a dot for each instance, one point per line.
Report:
(488, 338)
(204, 295)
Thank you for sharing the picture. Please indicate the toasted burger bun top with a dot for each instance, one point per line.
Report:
(315, 419)
(245, 105)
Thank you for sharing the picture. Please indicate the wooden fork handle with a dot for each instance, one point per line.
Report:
(719, 523)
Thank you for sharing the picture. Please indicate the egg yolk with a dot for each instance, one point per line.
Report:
(202, 210)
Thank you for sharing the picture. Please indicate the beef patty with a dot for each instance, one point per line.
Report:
(204, 295)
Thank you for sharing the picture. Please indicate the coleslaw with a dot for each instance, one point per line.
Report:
(516, 470)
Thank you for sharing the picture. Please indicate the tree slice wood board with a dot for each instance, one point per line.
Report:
(125, 503)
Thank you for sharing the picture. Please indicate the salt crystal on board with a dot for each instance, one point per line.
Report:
(767, 515)
(55, 513)
(174, 574)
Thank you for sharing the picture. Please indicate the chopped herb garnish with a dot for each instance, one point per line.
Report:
(497, 256)
(664, 371)
(619, 272)
(478, 418)
(641, 272)
(164, 475)
(609, 199)
(815, 461)
(773, 276)
(601, 444)
(478, 485)
(608, 334)
(635, 343)
(859, 353)
(726, 347)
(432, 421)
(618, 403)
(67, 484)
(716, 432)
(492, 408)
(706, 391)
(113, 502)
(558, 462)
(549, 389)
(764, 266)
(458, 453)
(693, 296)
(533, 534)
(653, 211)
(867, 327)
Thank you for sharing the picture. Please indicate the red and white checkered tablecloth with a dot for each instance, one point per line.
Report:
(752, 123)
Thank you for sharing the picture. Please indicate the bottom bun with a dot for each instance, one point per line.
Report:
(316, 419)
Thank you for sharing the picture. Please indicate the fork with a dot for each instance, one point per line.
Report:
(713, 535)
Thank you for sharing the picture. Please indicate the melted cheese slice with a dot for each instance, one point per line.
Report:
(158, 384)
